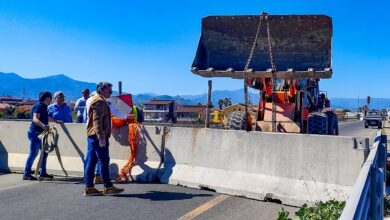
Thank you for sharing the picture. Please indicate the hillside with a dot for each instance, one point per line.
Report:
(14, 85)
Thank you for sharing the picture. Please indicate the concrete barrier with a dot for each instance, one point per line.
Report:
(292, 168)
(14, 148)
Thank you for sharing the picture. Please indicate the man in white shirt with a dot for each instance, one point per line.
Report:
(80, 106)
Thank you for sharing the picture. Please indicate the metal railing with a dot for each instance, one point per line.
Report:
(366, 199)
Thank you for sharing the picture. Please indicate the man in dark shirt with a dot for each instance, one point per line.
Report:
(40, 122)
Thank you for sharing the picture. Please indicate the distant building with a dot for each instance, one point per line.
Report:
(14, 101)
(30, 102)
(10, 100)
(4, 106)
(191, 113)
(25, 108)
(160, 111)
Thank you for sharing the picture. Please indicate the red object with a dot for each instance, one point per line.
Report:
(327, 103)
(292, 89)
(305, 113)
(118, 122)
(126, 98)
(268, 88)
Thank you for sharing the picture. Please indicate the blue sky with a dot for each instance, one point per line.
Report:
(150, 45)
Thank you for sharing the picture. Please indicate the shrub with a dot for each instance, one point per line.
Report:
(329, 210)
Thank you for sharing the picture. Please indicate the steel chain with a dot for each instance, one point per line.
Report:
(274, 79)
(246, 69)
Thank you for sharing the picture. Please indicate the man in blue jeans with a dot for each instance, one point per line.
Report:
(40, 122)
(98, 132)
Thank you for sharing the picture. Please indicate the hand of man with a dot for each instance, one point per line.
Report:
(102, 142)
(46, 128)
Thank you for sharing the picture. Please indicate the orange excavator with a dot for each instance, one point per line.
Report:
(282, 56)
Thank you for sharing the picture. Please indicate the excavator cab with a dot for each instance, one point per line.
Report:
(292, 50)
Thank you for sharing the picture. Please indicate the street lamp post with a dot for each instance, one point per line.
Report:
(358, 103)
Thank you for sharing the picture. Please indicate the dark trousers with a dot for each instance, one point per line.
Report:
(35, 146)
(96, 153)
(79, 119)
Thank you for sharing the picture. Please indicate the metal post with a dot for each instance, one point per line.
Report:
(208, 105)
(120, 87)
(384, 160)
(358, 104)
(376, 195)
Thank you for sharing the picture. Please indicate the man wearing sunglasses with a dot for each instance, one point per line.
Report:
(99, 131)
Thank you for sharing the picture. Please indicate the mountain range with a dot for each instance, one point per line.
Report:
(15, 85)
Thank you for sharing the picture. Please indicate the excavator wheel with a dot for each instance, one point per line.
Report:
(317, 123)
(333, 123)
(236, 121)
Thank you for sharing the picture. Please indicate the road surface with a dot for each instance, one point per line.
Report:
(356, 129)
(64, 200)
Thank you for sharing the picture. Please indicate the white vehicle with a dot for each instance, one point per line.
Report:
(351, 115)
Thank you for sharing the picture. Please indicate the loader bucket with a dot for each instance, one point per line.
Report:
(301, 46)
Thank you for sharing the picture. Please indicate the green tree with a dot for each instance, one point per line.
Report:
(220, 104)
(27, 114)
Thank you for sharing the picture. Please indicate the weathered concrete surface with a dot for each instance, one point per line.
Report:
(14, 147)
(290, 167)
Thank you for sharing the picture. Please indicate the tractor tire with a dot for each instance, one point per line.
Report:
(365, 126)
(236, 121)
(333, 123)
(317, 123)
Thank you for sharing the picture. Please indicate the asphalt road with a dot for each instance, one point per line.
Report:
(64, 200)
(356, 129)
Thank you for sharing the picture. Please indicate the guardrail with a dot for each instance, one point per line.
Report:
(366, 199)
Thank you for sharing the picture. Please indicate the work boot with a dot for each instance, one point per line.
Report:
(29, 177)
(112, 190)
(98, 179)
(46, 177)
(91, 191)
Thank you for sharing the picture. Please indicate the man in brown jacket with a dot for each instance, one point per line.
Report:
(99, 131)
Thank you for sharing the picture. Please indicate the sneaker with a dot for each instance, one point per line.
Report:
(46, 176)
(91, 191)
(112, 190)
(98, 180)
(29, 177)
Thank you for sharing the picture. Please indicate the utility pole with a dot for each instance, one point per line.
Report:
(120, 87)
(208, 105)
(358, 103)
(24, 93)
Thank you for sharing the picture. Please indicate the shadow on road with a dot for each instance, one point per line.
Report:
(66, 180)
(3, 159)
(163, 196)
